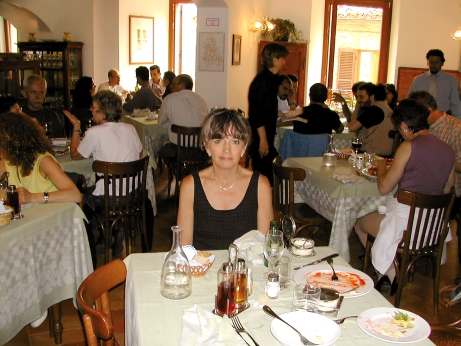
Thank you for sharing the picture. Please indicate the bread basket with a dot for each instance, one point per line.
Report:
(5, 218)
(196, 270)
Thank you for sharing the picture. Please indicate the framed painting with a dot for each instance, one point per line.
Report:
(236, 49)
(141, 40)
(211, 51)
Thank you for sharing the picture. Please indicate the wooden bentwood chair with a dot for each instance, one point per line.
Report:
(94, 303)
(283, 199)
(119, 206)
(189, 155)
(424, 236)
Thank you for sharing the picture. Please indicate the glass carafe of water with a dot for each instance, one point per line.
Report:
(176, 280)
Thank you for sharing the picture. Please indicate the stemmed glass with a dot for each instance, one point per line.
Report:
(356, 144)
(273, 248)
(47, 127)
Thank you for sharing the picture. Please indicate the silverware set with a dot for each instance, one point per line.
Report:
(237, 325)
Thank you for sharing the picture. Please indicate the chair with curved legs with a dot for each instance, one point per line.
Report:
(423, 237)
(283, 199)
(94, 303)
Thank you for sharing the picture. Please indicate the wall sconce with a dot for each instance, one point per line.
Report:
(457, 34)
(262, 24)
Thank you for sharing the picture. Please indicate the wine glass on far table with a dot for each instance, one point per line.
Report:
(273, 248)
(47, 127)
(356, 144)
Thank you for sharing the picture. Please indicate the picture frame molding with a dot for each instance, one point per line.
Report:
(236, 49)
(136, 40)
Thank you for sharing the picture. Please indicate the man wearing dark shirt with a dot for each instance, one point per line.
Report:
(320, 118)
(145, 97)
(263, 108)
(34, 89)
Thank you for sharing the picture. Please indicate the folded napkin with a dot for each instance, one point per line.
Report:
(350, 178)
(247, 240)
(201, 327)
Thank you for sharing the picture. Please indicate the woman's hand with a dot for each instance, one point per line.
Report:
(24, 195)
(73, 120)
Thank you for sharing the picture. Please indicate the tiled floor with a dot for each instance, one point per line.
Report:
(417, 296)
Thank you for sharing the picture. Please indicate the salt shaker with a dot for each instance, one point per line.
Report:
(359, 164)
(272, 286)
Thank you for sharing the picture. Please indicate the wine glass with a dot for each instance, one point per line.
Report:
(47, 127)
(356, 144)
(273, 248)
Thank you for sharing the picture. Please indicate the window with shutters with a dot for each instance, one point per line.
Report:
(346, 69)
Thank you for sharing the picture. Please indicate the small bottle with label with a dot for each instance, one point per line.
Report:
(272, 286)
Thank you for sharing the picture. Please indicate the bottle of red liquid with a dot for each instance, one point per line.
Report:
(225, 301)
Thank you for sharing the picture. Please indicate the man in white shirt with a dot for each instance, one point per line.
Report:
(113, 84)
(183, 107)
(156, 81)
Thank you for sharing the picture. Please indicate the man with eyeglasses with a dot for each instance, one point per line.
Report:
(441, 85)
(34, 90)
(182, 107)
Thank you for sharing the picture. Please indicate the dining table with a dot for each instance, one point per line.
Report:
(339, 201)
(340, 140)
(85, 167)
(151, 319)
(152, 135)
(44, 257)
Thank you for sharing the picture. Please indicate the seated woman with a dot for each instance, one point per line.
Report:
(112, 141)
(422, 164)
(82, 100)
(224, 201)
(391, 96)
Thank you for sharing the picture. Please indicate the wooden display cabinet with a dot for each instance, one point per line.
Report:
(13, 72)
(295, 64)
(60, 65)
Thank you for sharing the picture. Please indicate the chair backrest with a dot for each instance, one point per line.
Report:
(189, 155)
(427, 221)
(120, 178)
(299, 145)
(283, 190)
(94, 303)
(397, 139)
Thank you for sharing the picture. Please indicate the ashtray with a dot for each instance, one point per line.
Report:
(302, 247)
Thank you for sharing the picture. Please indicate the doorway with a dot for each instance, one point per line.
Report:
(356, 42)
(183, 37)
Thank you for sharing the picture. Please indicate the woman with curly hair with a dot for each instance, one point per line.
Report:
(25, 152)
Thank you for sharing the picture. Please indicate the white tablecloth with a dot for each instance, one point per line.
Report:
(44, 258)
(151, 319)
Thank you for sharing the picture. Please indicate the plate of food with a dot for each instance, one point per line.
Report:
(370, 172)
(394, 325)
(349, 278)
(316, 328)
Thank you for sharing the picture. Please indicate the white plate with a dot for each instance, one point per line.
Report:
(299, 278)
(373, 320)
(316, 328)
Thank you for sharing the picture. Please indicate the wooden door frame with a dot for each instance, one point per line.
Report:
(171, 29)
(329, 39)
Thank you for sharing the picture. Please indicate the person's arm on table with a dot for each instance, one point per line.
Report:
(265, 210)
(388, 179)
(355, 125)
(186, 210)
(52, 171)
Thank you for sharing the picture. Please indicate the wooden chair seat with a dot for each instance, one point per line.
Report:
(446, 334)
(94, 304)
(423, 237)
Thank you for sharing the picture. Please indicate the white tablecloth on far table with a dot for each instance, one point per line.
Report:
(338, 202)
(151, 319)
(44, 258)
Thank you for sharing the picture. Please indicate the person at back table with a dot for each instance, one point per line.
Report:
(224, 201)
(422, 164)
(113, 83)
(183, 107)
(112, 141)
(374, 124)
(337, 97)
(145, 97)
(167, 81)
(34, 90)
(82, 101)
(156, 81)
(320, 118)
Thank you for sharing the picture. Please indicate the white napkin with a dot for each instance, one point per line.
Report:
(248, 239)
(201, 327)
(350, 178)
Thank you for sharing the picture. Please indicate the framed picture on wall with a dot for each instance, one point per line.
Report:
(141, 40)
(211, 51)
(236, 49)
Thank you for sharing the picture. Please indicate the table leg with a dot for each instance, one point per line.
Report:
(56, 323)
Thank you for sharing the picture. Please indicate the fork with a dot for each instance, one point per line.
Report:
(270, 312)
(239, 328)
(341, 320)
(334, 277)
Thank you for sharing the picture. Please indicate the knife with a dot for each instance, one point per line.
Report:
(317, 261)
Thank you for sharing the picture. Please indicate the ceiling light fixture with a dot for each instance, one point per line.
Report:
(457, 34)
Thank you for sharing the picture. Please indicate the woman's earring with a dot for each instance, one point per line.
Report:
(241, 155)
(209, 154)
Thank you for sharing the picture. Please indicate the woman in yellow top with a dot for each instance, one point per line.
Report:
(25, 152)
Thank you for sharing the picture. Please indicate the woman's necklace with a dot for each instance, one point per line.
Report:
(230, 187)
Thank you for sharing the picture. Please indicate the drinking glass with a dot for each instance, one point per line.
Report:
(47, 127)
(306, 298)
(283, 268)
(356, 144)
(273, 248)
